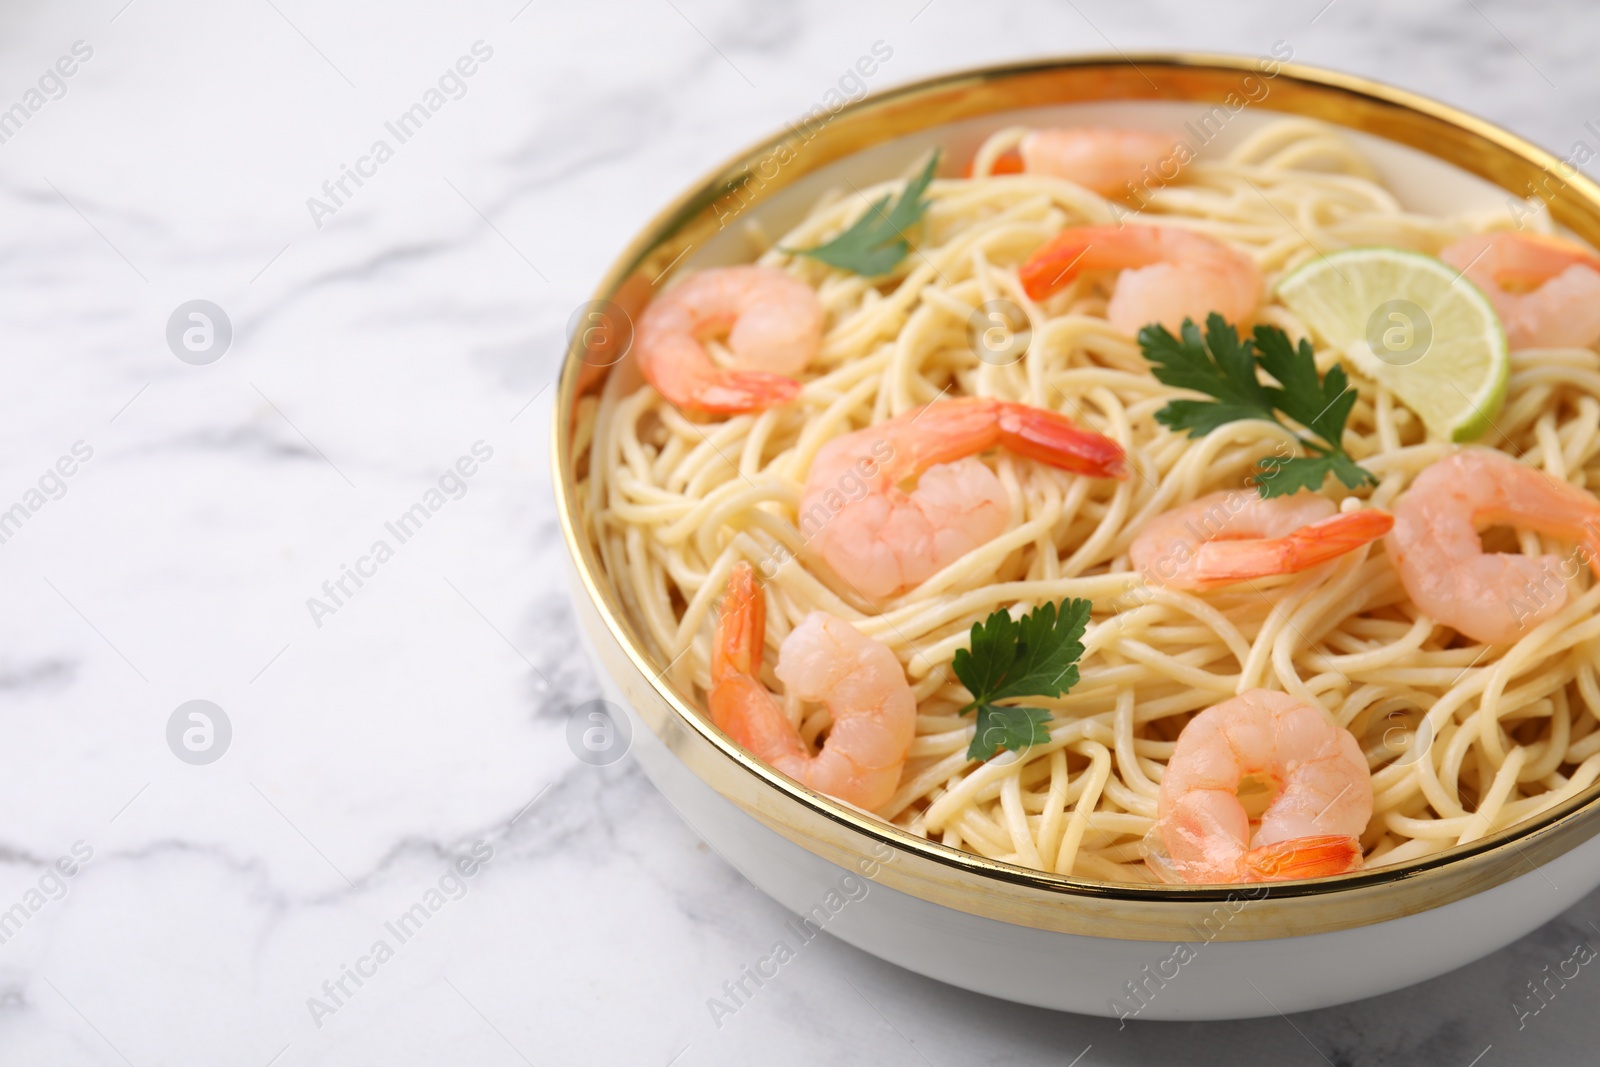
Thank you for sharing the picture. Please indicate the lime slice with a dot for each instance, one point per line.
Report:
(1413, 324)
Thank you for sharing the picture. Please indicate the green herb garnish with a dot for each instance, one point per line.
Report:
(876, 243)
(1223, 367)
(1034, 656)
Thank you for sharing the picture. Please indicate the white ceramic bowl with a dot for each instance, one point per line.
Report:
(1150, 952)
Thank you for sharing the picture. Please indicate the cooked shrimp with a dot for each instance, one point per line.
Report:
(880, 538)
(1545, 289)
(823, 659)
(1168, 274)
(1235, 535)
(1491, 597)
(1310, 829)
(1103, 159)
(773, 326)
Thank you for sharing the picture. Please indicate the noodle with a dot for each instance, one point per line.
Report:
(673, 503)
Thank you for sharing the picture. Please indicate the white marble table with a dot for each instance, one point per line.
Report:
(376, 340)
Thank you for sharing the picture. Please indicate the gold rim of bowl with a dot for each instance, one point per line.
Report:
(926, 869)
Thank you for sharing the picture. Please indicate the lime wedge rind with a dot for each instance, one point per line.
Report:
(1444, 350)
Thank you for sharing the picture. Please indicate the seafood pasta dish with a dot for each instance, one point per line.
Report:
(1125, 512)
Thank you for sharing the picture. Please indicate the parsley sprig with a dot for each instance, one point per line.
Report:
(1224, 368)
(876, 242)
(1034, 656)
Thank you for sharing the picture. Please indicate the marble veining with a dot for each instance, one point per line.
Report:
(231, 912)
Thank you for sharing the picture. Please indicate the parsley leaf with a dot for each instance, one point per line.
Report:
(1320, 407)
(1015, 728)
(1225, 368)
(876, 242)
(1036, 656)
(1280, 476)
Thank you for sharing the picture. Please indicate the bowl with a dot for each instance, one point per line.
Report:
(1126, 951)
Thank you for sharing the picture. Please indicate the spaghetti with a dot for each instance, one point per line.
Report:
(1462, 739)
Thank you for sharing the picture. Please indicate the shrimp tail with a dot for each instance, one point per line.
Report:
(1007, 162)
(740, 704)
(735, 393)
(1224, 562)
(743, 709)
(1051, 437)
(1302, 857)
(1332, 538)
(1548, 256)
(1052, 268)
(741, 628)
